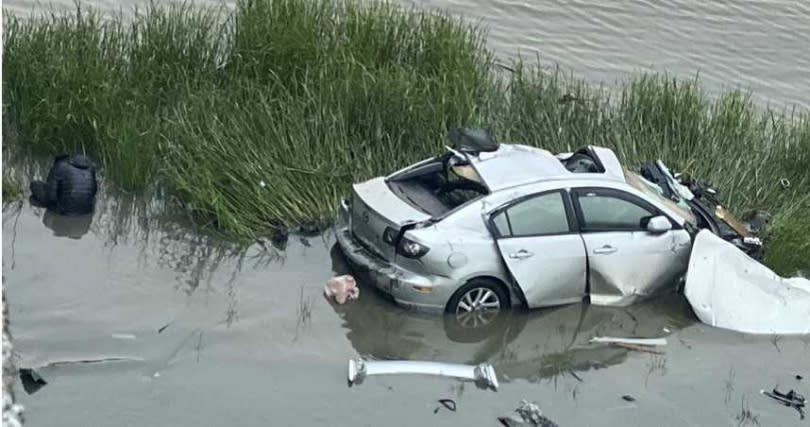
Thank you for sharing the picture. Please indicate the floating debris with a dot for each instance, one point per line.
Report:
(632, 341)
(790, 399)
(449, 404)
(31, 380)
(642, 348)
(628, 398)
(341, 288)
(527, 414)
(124, 336)
(483, 375)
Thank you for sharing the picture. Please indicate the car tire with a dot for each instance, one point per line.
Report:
(474, 325)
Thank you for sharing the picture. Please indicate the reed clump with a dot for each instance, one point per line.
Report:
(261, 117)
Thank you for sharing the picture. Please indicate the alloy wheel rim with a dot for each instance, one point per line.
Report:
(478, 307)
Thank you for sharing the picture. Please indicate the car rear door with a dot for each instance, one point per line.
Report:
(537, 238)
(625, 261)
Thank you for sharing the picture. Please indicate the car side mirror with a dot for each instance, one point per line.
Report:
(658, 224)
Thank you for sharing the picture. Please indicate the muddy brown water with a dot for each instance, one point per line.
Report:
(135, 320)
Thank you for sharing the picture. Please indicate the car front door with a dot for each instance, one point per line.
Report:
(540, 246)
(625, 261)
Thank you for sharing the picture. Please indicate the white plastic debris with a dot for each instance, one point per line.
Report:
(728, 289)
(634, 341)
(483, 375)
(341, 289)
(124, 336)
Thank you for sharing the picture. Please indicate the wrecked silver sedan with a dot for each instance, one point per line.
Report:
(488, 225)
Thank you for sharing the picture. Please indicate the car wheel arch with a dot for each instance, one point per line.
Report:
(511, 291)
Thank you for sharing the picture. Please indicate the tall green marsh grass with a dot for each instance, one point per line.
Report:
(263, 117)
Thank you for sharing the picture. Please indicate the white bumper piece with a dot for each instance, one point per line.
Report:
(483, 375)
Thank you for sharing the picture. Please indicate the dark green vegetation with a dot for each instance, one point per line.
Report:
(12, 187)
(310, 96)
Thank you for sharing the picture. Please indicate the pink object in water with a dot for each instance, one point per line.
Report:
(341, 288)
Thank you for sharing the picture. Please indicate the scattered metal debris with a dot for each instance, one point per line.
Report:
(790, 399)
(483, 375)
(527, 414)
(449, 404)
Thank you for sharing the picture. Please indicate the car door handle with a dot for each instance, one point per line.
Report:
(521, 254)
(607, 249)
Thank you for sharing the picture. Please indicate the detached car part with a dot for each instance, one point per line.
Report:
(730, 290)
(483, 375)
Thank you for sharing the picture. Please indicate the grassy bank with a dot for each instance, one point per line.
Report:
(262, 119)
(12, 187)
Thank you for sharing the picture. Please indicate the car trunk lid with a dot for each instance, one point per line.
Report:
(376, 208)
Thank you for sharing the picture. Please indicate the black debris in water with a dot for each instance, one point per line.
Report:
(799, 377)
(305, 242)
(163, 328)
(790, 399)
(310, 229)
(449, 404)
(629, 398)
(31, 380)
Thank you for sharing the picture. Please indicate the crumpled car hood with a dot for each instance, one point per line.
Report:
(728, 289)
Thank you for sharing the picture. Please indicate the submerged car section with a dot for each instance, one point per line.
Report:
(485, 226)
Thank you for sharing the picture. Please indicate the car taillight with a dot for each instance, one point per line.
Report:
(411, 249)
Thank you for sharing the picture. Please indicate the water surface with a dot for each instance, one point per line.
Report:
(756, 45)
(133, 319)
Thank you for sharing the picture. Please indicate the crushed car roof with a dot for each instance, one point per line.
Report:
(516, 164)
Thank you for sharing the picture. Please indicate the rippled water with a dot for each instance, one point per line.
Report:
(134, 319)
(757, 45)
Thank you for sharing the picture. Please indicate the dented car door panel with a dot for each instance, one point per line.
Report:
(627, 266)
(626, 262)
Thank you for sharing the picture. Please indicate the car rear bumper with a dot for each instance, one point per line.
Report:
(391, 279)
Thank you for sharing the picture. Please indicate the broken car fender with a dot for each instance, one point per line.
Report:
(728, 289)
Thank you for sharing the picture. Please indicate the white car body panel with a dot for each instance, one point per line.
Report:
(728, 289)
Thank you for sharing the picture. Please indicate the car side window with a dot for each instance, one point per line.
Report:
(540, 215)
(607, 211)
